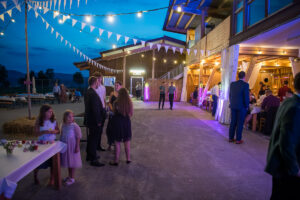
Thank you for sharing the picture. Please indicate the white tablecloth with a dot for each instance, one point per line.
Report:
(14, 167)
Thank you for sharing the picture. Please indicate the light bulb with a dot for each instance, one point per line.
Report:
(114, 46)
(56, 13)
(88, 18)
(179, 9)
(165, 60)
(1, 33)
(68, 16)
(12, 20)
(154, 58)
(98, 40)
(175, 61)
(110, 18)
(60, 21)
(142, 55)
(139, 14)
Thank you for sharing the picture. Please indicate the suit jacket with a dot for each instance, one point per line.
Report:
(283, 157)
(239, 95)
(94, 111)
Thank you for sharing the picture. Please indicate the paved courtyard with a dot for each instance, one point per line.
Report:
(179, 154)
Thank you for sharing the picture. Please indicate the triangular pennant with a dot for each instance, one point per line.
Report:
(47, 4)
(181, 50)
(29, 7)
(78, 3)
(55, 14)
(19, 7)
(74, 21)
(134, 41)
(2, 17)
(202, 52)
(61, 38)
(43, 20)
(70, 4)
(118, 37)
(66, 42)
(4, 4)
(83, 25)
(36, 14)
(46, 10)
(80, 54)
(9, 12)
(54, 4)
(15, 2)
(92, 28)
(166, 48)
(143, 43)
(65, 18)
(59, 2)
(85, 1)
(57, 35)
(150, 44)
(109, 34)
(174, 49)
(52, 29)
(73, 48)
(158, 47)
(47, 25)
(126, 39)
(195, 52)
(77, 51)
(70, 45)
(100, 31)
(50, 4)
(65, 2)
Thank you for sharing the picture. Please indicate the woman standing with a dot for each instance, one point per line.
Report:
(121, 125)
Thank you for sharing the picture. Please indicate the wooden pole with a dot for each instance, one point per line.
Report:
(153, 64)
(27, 63)
(124, 70)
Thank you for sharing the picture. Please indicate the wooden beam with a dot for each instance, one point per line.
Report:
(252, 63)
(124, 71)
(189, 22)
(171, 13)
(153, 64)
(179, 19)
(268, 51)
(202, 30)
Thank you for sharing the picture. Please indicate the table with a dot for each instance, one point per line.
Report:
(14, 167)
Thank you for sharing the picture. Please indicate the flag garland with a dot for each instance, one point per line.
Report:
(59, 37)
(9, 12)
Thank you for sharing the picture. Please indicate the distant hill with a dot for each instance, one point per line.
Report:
(66, 79)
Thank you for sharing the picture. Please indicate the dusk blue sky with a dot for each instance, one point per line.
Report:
(45, 51)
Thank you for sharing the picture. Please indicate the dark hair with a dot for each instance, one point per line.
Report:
(290, 91)
(297, 82)
(123, 104)
(285, 82)
(219, 83)
(44, 108)
(92, 80)
(241, 75)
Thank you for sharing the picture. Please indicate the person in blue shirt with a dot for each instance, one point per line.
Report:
(283, 159)
(172, 93)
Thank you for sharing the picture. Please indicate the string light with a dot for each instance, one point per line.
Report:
(1, 33)
(142, 55)
(154, 58)
(259, 52)
(68, 16)
(88, 18)
(114, 46)
(175, 61)
(217, 63)
(98, 40)
(40, 7)
(183, 62)
(60, 21)
(139, 14)
(179, 9)
(80, 31)
(13, 21)
(110, 18)
(165, 60)
(56, 13)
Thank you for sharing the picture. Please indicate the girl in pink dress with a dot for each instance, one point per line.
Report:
(70, 134)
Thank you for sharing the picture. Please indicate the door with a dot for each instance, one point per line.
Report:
(133, 82)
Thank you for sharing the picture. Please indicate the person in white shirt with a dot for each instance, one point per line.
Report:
(215, 92)
(101, 91)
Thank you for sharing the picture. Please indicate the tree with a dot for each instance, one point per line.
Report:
(78, 78)
(3, 76)
(49, 74)
(41, 75)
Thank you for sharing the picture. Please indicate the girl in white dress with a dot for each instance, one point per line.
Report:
(70, 134)
(46, 129)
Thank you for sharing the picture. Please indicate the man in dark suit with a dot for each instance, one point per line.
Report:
(239, 102)
(283, 159)
(93, 119)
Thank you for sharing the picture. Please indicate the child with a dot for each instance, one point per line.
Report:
(70, 134)
(46, 128)
(121, 125)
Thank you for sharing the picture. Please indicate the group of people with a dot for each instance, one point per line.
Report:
(60, 93)
(283, 159)
(162, 95)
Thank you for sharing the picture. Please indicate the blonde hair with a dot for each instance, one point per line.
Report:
(66, 114)
(123, 104)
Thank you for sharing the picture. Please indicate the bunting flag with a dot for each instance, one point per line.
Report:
(47, 4)
(70, 45)
(50, 4)
(59, 2)
(188, 51)
(46, 10)
(54, 15)
(52, 29)
(195, 52)
(29, 7)
(109, 34)
(174, 49)
(70, 4)
(9, 12)
(47, 25)
(43, 20)
(77, 51)
(61, 38)
(143, 43)
(74, 21)
(78, 3)
(82, 25)
(36, 14)
(166, 48)
(126, 39)
(65, 2)
(65, 18)
(66, 42)
(18, 7)
(134, 41)
(73, 48)
(80, 54)
(4, 4)
(181, 50)
(56, 34)
(15, 2)
(100, 31)
(85, 1)
(92, 28)
(118, 37)
(158, 47)
(202, 52)
(150, 44)
(54, 4)
(2, 17)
